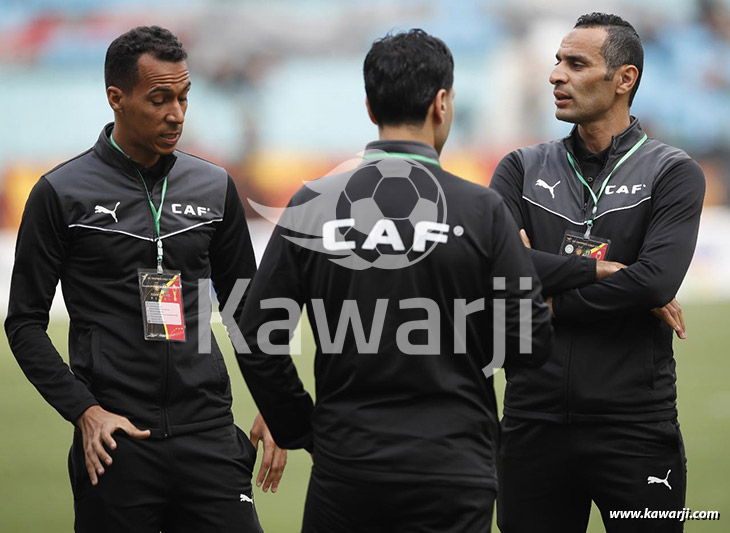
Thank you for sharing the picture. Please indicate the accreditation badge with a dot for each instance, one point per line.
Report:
(162, 306)
(575, 243)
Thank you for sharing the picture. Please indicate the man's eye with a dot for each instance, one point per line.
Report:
(157, 104)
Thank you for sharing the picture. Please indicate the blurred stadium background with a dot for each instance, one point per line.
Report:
(278, 98)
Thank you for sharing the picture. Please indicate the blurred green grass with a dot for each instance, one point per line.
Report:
(35, 495)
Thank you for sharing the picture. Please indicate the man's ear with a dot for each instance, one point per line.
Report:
(370, 112)
(115, 97)
(440, 106)
(626, 76)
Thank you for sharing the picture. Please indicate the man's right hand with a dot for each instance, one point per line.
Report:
(606, 268)
(672, 315)
(97, 427)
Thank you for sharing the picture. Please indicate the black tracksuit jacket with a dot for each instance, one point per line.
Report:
(611, 359)
(167, 387)
(389, 415)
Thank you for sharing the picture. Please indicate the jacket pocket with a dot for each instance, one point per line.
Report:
(97, 364)
(662, 351)
(220, 368)
(648, 369)
(248, 447)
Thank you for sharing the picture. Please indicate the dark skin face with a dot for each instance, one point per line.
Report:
(148, 119)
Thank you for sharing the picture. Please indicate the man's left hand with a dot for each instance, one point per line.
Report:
(274, 460)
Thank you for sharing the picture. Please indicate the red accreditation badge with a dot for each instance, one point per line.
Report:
(162, 305)
(575, 243)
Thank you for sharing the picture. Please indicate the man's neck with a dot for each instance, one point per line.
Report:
(597, 135)
(128, 150)
(407, 133)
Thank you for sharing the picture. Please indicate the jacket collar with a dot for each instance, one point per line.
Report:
(620, 144)
(116, 159)
(405, 147)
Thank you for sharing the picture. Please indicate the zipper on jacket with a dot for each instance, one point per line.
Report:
(567, 379)
(167, 430)
(569, 357)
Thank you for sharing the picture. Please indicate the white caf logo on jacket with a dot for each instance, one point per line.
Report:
(624, 189)
(610, 189)
(189, 210)
(178, 209)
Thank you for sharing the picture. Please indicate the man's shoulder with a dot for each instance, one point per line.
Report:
(467, 190)
(515, 161)
(665, 151)
(540, 149)
(510, 172)
(669, 161)
(188, 161)
(329, 188)
(70, 166)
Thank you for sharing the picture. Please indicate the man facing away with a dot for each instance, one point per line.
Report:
(407, 273)
(116, 226)
(599, 419)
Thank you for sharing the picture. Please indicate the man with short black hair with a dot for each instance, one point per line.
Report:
(129, 227)
(598, 422)
(407, 272)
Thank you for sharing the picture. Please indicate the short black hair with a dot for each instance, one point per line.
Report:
(120, 65)
(403, 72)
(621, 47)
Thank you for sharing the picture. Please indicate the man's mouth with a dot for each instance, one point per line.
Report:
(170, 138)
(561, 98)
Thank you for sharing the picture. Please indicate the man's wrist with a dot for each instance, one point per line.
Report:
(86, 412)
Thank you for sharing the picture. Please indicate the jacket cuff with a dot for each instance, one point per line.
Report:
(72, 415)
(586, 270)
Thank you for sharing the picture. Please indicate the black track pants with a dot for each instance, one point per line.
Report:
(196, 483)
(549, 474)
(338, 505)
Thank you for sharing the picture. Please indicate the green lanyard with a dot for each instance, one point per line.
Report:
(399, 155)
(156, 212)
(589, 223)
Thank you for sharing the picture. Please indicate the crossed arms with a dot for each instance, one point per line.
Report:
(582, 289)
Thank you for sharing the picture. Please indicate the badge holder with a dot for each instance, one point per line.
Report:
(162, 308)
(575, 243)
(585, 244)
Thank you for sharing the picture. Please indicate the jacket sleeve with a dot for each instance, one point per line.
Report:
(653, 280)
(231, 251)
(39, 255)
(557, 273)
(527, 328)
(272, 311)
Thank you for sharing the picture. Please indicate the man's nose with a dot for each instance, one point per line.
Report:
(558, 75)
(176, 114)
